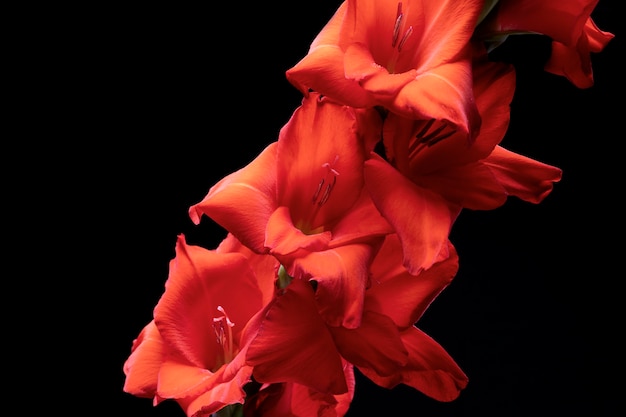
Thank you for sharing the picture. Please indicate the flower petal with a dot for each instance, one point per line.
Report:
(375, 344)
(421, 218)
(341, 275)
(431, 370)
(401, 296)
(243, 201)
(200, 280)
(523, 177)
(142, 366)
(319, 163)
(283, 238)
(293, 344)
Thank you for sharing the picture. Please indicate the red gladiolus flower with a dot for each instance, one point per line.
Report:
(426, 159)
(303, 201)
(410, 57)
(292, 343)
(567, 23)
(191, 351)
(472, 176)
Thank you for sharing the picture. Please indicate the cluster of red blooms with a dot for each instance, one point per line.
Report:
(338, 232)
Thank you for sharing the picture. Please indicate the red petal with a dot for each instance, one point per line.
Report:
(143, 365)
(421, 218)
(199, 281)
(401, 296)
(243, 201)
(375, 344)
(431, 370)
(341, 275)
(320, 157)
(523, 177)
(294, 345)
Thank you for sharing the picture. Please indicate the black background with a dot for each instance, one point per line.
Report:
(181, 96)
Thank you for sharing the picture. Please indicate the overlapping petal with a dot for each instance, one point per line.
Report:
(142, 366)
(430, 369)
(403, 298)
(341, 276)
(313, 201)
(243, 201)
(292, 344)
(421, 217)
(574, 62)
(409, 57)
(190, 352)
(199, 282)
(567, 23)
(521, 176)
(296, 400)
(480, 175)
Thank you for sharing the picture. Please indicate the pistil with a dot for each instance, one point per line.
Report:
(222, 326)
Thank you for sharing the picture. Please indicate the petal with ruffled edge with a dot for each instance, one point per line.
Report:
(574, 63)
(413, 57)
(212, 394)
(199, 281)
(523, 177)
(401, 296)
(243, 201)
(431, 370)
(494, 86)
(421, 218)
(563, 21)
(142, 366)
(375, 344)
(322, 69)
(293, 344)
(319, 163)
(296, 400)
(341, 275)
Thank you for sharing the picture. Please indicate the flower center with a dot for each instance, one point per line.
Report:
(320, 197)
(397, 41)
(222, 326)
(326, 184)
(427, 137)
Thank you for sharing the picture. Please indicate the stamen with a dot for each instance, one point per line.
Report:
(396, 26)
(317, 192)
(441, 137)
(327, 191)
(431, 135)
(330, 180)
(405, 37)
(423, 139)
(425, 128)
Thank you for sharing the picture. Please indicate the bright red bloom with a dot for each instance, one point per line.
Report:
(427, 159)
(567, 23)
(410, 57)
(191, 352)
(303, 201)
(474, 176)
(292, 343)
